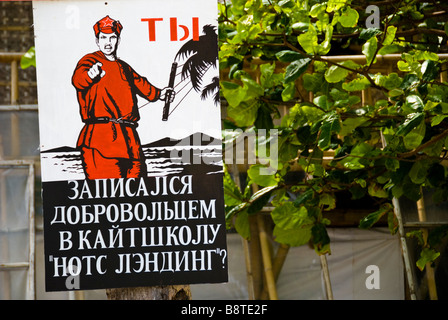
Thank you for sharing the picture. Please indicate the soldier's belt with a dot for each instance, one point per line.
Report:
(107, 120)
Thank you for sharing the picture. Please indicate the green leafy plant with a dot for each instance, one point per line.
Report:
(28, 59)
(391, 147)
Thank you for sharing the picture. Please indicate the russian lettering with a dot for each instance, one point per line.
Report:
(64, 240)
(57, 209)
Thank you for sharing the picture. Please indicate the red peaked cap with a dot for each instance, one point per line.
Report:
(107, 25)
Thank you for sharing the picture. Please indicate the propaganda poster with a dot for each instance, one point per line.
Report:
(130, 143)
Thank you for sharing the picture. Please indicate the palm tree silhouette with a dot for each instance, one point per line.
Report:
(201, 55)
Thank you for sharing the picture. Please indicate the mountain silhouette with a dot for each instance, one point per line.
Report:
(195, 139)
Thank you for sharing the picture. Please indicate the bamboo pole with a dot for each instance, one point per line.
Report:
(255, 257)
(251, 248)
(277, 265)
(404, 249)
(403, 243)
(31, 291)
(279, 260)
(15, 133)
(444, 73)
(14, 81)
(326, 274)
(249, 272)
(430, 276)
(10, 56)
(5, 277)
(266, 255)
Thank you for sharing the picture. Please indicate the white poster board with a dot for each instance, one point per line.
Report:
(130, 132)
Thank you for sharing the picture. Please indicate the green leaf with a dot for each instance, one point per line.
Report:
(412, 121)
(257, 174)
(304, 197)
(368, 33)
(320, 238)
(415, 137)
(236, 209)
(369, 49)
(295, 69)
(438, 119)
(335, 5)
(390, 35)
(418, 172)
(242, 225)
(417, 234)
(268, 78)
(335, 74)
(288, 56)
(368, 221)
(232, 194)
(376, 190)
(308, 40)
(252, 87)
(245, 113)
(395, 93)
(28, 59)
(264, 118)
(391, 48)
(233, 93)
(313, 82)
(429, 70)
(325, 46)
(426, 256)
(329, 126)
(392, 164)
(288, 92)
(259, 199)
(327, 200)
(287, 216)
(317, 9)
(349, 18)
(392, 222)
(390, 82)
(292, 237)
(437, 235)
(322, 102)
(357, 84)
(350, 124)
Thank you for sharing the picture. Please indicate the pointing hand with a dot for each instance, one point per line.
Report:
(96, 71)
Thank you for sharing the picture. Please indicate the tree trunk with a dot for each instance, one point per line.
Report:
(178, 292)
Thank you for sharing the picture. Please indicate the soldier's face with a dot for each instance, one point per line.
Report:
(107, 42)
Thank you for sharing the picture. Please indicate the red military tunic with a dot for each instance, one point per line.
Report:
(112, 96)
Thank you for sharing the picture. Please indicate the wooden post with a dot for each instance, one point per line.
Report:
(5, 277)
(15, 133)
(254, 260)
(277, 265)
(430, 276)
(176, 292)
(267, 260)
(404, 249)
(31, 290)
(249, 273)
(326, 272)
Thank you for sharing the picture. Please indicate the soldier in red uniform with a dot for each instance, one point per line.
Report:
(107, 90)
